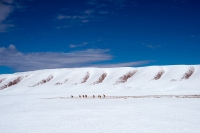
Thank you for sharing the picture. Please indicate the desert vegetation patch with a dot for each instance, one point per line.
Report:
(101, 79)
(1, 80)
(159, 75)
(173, 80)
(125, 77)
(60, 83)
(189, 73)
(11, 83)
(86, 78)
(43, 81)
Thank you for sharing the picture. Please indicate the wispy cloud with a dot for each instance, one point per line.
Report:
(89, 11)
(154, 46)
(96, 11)
(13, 58)
(103, 12)
(107, 2)
(7, 1)
(5, 9)
(79, 18)
(78, 45)
(92, 2)
(61, 27)
(60, 17)
(85, 21)
(126, 64)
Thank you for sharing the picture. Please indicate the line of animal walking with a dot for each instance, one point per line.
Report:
(86, 96)
(125, 97)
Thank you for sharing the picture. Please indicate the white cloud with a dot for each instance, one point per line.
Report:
(13, 58)
(10, 50)
(11, 47)
(5, 10)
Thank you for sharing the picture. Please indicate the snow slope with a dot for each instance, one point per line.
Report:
(37, 101)
(153, 80)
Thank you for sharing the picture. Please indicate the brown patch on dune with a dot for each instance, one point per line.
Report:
(11, 83)
(1, 80)
(65, 80)
(60, 83)
(43, 81)
(101, 78)
(125, 77)
(86, 78)
(173, 80)
(159, 74)
(189, 73)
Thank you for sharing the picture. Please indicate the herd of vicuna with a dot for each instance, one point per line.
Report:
(145, 96)
(85, 96)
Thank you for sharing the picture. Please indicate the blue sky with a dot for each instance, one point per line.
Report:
(37, 34)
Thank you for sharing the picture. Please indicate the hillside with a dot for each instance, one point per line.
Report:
(143, 99)
(179, 79)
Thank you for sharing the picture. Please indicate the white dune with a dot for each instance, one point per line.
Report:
(154, 80)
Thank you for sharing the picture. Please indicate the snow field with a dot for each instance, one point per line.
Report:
(39, 101)
(31, 114)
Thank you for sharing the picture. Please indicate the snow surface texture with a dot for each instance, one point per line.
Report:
(127, 81)
(30, 114)
(40, 101)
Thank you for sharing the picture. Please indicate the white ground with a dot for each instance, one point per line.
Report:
(24, 109)
(29, 114)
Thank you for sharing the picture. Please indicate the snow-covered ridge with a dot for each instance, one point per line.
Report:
(181, 79)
